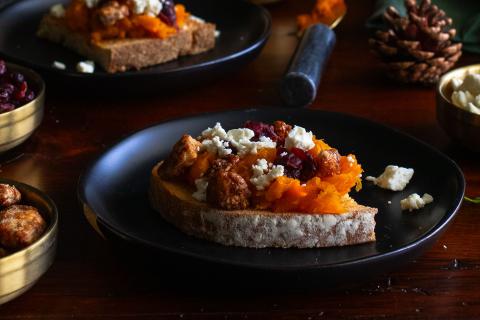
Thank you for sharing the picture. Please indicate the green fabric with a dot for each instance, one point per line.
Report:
(464, 13)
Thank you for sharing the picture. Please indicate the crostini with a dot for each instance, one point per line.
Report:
(127, 34)
(263, 185)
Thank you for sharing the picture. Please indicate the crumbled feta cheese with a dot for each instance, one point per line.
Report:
(91, 3)
(153, 7)
(456, 83)
(148, 7)
(201, 193)
(466, 92)
(216, 146)
(251, 147)
(240, 136)
(264, 173)
(462, 98)
(283, 154)
(59, 65)
(414, 202)
(216, 131)
(299, 138)
(139, 6)
(393, 178)
(472, 108)
(217, 33)
(471, 83)
(57, 10)
(240, 139)
(87, 66)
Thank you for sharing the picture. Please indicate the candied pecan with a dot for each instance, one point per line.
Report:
(20, 226)
(225, 164)
(111, 12)
(183, 155)
(228, 190)
(9, 195)
(281, 129)
(328, 163)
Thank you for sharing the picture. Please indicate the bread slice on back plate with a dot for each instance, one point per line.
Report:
(123, 54)
(259, 228)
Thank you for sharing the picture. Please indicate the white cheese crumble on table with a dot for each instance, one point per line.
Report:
(466, 94)
(299, 138)
(87, 66)
(414, 201)
(393, 178)
(57, 10)
(59, 65)
(264, 173)
(240, 139)
(201, 193)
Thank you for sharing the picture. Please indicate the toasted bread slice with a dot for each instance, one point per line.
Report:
(120, 55)
(259, 228)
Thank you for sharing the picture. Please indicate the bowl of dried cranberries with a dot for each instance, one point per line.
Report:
(22, 96)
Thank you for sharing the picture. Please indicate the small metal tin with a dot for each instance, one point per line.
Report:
(461, 125)
(17, 125)
(19, 271)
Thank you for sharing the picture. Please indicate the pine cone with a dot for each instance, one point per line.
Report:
(417, 48)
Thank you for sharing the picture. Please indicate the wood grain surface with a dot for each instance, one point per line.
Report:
(95, 279)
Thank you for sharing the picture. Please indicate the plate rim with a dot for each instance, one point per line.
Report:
(250, 49)
(435, 231)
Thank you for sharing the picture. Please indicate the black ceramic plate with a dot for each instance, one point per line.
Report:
(115, 189)
(244, 28)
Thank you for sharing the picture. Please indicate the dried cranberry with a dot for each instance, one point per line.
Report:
(3, 67)
(290, 162)
(297, 163)
(261, 130)
(20, 93)
(299, 153)
(309, 168)
(168, 14)
(5, 107)
(17, 78)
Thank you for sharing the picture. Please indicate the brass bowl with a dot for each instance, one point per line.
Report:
(17, 125)
(19, 271)
(461, 125)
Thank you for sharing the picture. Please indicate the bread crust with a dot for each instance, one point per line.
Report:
(124, 54)
(259, 228)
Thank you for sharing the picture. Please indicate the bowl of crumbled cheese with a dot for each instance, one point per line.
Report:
(458, 105)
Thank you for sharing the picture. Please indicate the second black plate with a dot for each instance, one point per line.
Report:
(244, 29)
(114, 190)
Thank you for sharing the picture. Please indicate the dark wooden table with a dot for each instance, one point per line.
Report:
(95, 279)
